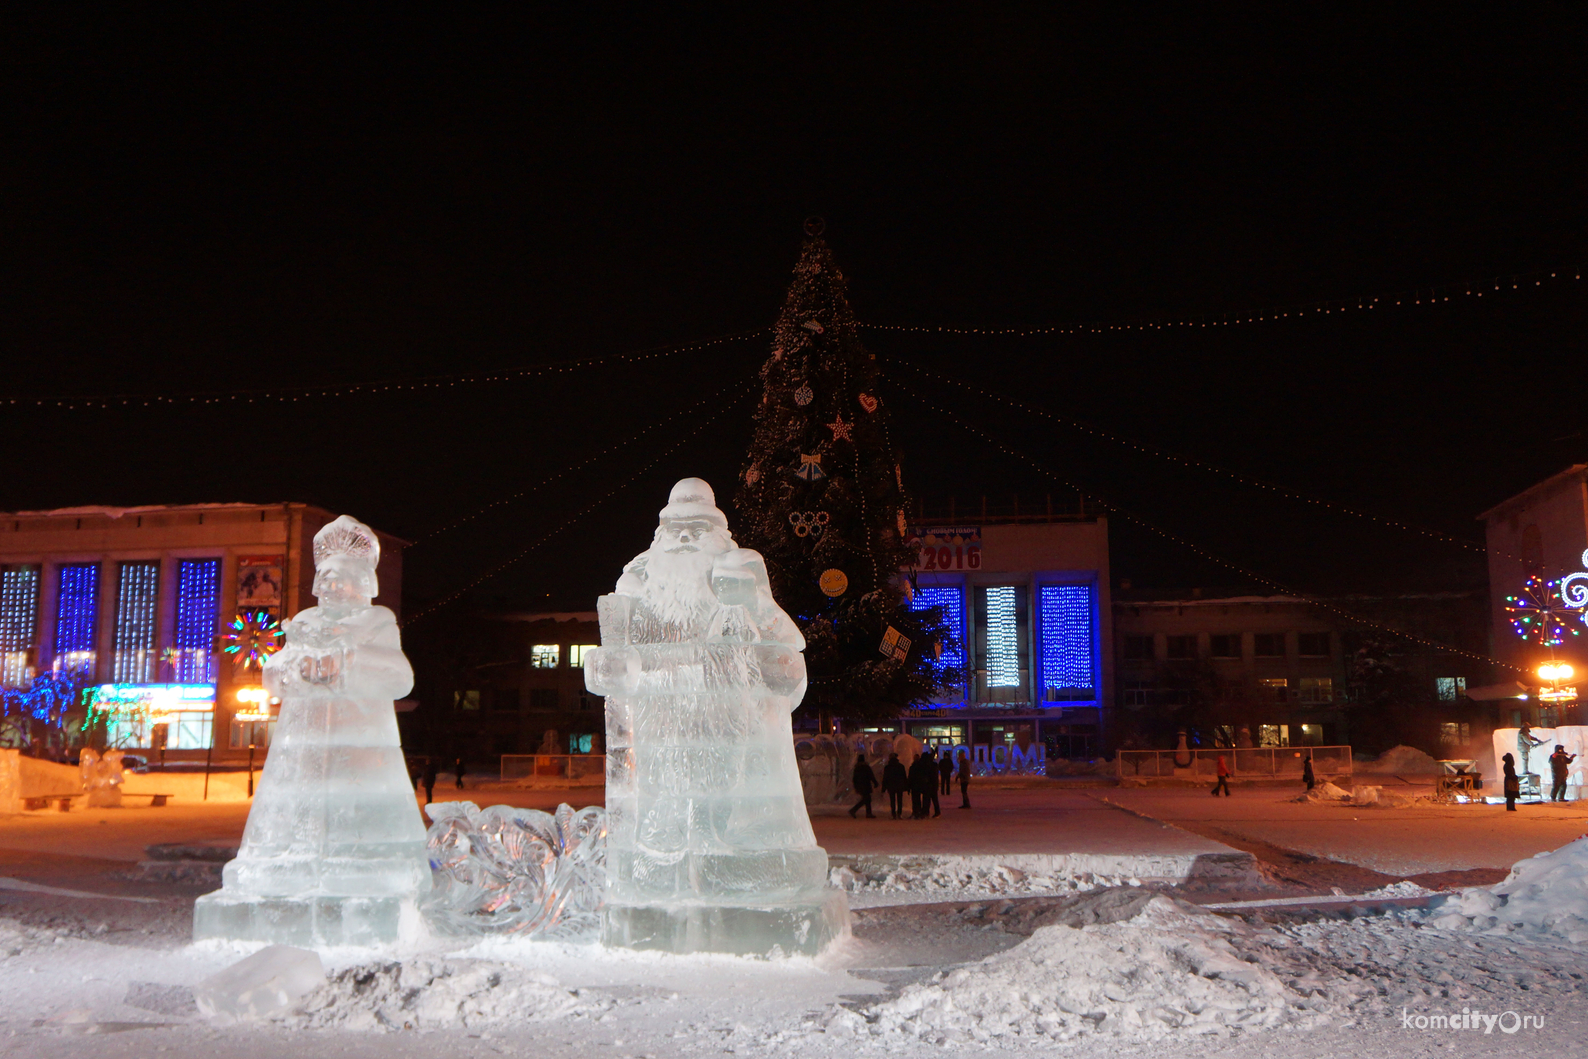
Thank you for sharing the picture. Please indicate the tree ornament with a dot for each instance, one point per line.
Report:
(868, 402)
(813, 326)
(895, 645)
(252, 637)
(752, 474)
(810, 468)
(777, 354)
(833, 582)
(904, 527)
(898, 477)
(803, 395)
(841, 429)
(809, 523)
(814, 227)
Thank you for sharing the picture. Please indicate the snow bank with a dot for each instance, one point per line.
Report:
(1405, 759)
(436, 994)
(1544, 895)
(1324, 792)
(1172, 969)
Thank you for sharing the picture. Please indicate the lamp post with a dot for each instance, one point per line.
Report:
(1555, 672)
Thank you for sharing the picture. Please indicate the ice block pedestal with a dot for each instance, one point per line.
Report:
(334, 851)
(709, 847)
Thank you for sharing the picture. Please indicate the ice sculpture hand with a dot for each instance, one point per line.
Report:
(612, 670)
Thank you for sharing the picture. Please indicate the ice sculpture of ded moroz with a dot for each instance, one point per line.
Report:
(709, 845)
(334, 852)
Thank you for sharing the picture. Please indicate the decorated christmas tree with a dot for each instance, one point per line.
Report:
(822, 498)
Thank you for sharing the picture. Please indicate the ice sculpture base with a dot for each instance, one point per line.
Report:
(312, 921)
(800, 927)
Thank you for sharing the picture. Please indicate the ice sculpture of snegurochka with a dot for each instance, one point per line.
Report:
(334, 851)
(709, 846)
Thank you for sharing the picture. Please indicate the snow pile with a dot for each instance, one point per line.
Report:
(963, 875)
(434, 994)
(1545, 895)
(1405, 759)
(1324, 792)
(1171, 969)
(1404, 888)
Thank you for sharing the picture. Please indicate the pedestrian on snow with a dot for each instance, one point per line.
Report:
(964, 782)
(930, 774)
(1224, 779)
(429, 779)
(895, 781)
(923, 781)
(1307, 775)
(863, 782)
(945, 769)
(1513, 787)
(458, 772)
(1557, 767)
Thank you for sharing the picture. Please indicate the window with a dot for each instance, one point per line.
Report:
(189, 730)
(1450, 689)
(544, 655)
(76, 614)
(1138, 648)
(1273, 735)
(505, 700)
(588, 701)
(1136, 693)
(1065, 644)
(198, 603)
(465, 700)
(19, 623)
(1454, 733)
(1316, 691)
(1225, 645)
(950, 601)
(1269, 645)
(576, 653)
(1312, 644)
(580, 743)
(256, 732)
(135, 597)
(543, 699)
(1001, 634)
(1274, 690)
(1306, 734)
(1182, 647)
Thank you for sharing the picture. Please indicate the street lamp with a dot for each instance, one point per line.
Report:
(1555, 672)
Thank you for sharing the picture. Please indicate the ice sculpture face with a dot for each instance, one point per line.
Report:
(709, 845)
(334, 852)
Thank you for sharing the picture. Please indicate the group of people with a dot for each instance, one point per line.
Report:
(927, 775)
(1559, 761)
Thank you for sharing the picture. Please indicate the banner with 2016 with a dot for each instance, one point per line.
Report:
(947, 547)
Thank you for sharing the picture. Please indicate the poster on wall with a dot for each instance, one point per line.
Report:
(258, 581)
(946, 547)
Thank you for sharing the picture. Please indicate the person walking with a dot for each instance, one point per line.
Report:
(1513, 787)
(929, 775)
(895, 781)
(923, 780)
(945, 769)
(1224, 779)
(1557, 767)
(1307, 775)
(429, 779)
(964, 782)
(864, 780)
(458, 772)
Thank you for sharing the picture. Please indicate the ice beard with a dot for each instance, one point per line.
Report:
(678, 579)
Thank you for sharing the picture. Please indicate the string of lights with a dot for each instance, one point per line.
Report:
(420, 384)
(581, 513)
(571, 468)
(1189, 461)
(1194, 548)
(1437, 294)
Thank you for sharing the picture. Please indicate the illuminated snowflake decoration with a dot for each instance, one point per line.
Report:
(1540, 614)
(252, 637)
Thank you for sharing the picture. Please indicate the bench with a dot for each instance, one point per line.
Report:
(63, 802)
(155, 800)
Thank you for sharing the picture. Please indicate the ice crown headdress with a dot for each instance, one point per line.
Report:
(350, 537)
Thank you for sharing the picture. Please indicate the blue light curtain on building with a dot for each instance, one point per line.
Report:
(198, 604)
(951, 601)
(19, 622)
(1066, 650)
(135, 599)
(76, 615)
(1002, 660)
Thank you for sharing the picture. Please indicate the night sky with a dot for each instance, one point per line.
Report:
(208, 204)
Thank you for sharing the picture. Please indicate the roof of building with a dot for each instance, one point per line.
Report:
(1535, 492)
(116, 513)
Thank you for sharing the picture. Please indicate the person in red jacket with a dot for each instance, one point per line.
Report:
(1224, 779)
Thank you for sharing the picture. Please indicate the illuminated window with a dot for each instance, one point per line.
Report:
(198, 604)
(76, 615)
(1273, 735)
(465, 700)
(950, 602)
(576, 653)
(189, 730)
(1317, 690)
(19, 623)
(256, 732)
(1001, 631)
(1450, 688)
(544, 655)
(135, 597)
(1065, 644)
(1275, 689)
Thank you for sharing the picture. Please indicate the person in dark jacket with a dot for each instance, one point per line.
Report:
(964, 782)
(923, 781)
(429, 779)
(1224, 779)
(929, 775)
(1558, 761)
(895, 781)
(457, 771)
(1513, 786)
(945, 769)
(863, 781)
(1307, 775)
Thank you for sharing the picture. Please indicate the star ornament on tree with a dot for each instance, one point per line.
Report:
(841, 429)
(1540, 614)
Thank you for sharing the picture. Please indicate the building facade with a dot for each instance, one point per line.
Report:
(159, 617)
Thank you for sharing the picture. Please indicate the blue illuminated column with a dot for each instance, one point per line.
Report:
(19, 622)
(135, 601)
(76, 615)
(198, 604)
(951, 602)
(1067, 658)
